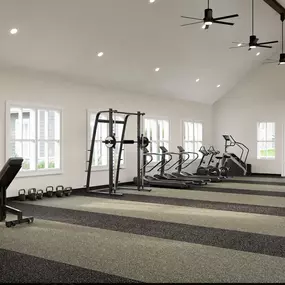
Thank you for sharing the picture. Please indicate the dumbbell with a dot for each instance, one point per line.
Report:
(67, 191)
(49, 191)
(40, 194)
(32, 194)
(59, 191)
(22, 194)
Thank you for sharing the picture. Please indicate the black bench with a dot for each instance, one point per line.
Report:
(7, 175)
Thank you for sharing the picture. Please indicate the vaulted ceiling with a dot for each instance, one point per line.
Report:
(64, 37)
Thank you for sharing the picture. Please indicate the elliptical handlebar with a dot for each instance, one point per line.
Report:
(203, 151)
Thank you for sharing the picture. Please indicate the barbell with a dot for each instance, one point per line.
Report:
(111, 142)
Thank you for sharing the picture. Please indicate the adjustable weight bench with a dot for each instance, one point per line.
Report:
(7, 175)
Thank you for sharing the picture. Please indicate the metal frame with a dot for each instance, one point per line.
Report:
(114, 181)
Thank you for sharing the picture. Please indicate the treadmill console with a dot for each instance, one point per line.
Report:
(180, 148)
(164, 149)
(227, 137)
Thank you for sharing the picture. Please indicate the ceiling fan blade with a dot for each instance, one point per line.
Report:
(262, 46)
(239, 43)
(223, 23)
(227, 17)
(191, 18)
(265, 43)
(237, 47)
(191, 23)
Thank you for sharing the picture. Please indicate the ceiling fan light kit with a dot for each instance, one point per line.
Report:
(253, 40)
(209, 19)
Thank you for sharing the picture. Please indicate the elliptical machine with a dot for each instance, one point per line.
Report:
(203, 170)
(219, 169)
(213, 169)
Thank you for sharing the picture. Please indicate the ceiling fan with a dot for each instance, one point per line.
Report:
(253, 40)
(209, 20)
(282, 55)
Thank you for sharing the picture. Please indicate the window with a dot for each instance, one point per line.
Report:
(265, 140)
(192, 136)
(157, 131)
(35, 135)
(101, 152)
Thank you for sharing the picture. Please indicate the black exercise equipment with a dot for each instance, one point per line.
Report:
(182, 166)
(32, 194)
(203, 170)
(49, 191)
(154, 181)
(110, 142)
(7, 175)
(236, 164)
(40, 194)
(59, 191)
(163, 175)
(67, 191)
(22, 194)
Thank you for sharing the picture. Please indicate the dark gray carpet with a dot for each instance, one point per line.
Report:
(242, 241)
(255, 209)
(21, 268)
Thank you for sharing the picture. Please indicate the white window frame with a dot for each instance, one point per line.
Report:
(36, 107)
(265, 141)
(158, 118)
(89, 113)
(194, 139)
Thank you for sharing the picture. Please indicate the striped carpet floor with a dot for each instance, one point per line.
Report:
(167, 235)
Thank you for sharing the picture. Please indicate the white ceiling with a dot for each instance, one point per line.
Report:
(64, 36)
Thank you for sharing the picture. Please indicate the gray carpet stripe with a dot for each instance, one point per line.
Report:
(254, 209)
(22, 268)
(242, 241)
(242, 191)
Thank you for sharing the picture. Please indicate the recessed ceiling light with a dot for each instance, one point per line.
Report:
(218, 86)
(239, 45)
(157, 69)
(198, 79)
(100, 54)
(151, 1)
(258, 54)
(13, 31)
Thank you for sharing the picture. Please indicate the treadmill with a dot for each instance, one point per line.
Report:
(154, 181)
(182, 165)
(191, 180)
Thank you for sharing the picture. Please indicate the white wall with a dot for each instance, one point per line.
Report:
(75, 99)
(260, 97)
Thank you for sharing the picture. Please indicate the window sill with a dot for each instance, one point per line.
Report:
(39, 173)
(266, 158)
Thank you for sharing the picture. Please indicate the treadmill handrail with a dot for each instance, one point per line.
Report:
(157, 164)
(172, 165)
(166, 161)
(179, 162)
(192, 161)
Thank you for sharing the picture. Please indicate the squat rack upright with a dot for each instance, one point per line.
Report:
(110, 143)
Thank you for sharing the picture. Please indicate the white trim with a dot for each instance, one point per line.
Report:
(37, 172)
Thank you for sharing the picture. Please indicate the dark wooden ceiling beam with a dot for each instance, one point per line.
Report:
(275, 5)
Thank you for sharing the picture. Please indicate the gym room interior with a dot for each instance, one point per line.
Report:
(142, 141)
